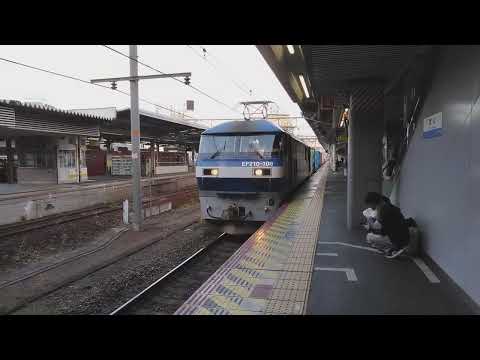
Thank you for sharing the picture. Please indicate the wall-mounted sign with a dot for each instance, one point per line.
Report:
(121, 165)
(432, 126)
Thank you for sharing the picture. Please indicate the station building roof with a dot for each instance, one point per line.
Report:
(21, 119)
(155, 127)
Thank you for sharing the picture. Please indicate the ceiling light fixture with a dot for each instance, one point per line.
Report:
(304, 85)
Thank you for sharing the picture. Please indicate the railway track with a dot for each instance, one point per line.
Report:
(169, 292)
(15, 229)
(56, 219)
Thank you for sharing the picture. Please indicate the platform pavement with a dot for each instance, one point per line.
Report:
(371, 284)
(306, 261)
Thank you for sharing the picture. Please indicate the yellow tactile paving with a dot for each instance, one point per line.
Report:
(280, 307)
(242, 312)
(271, 274)
(288, 295)
(202, 311)
(297, 267)
(294, 275)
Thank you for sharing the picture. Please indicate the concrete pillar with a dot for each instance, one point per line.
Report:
(108, 169)
(333, 156)
(364, 157)
(157, 155)
(152, 159)
(333, 146)
(10, 162)
(194, 156)
(79, 168)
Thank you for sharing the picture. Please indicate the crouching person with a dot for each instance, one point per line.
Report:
(393, 224)
(373, 227)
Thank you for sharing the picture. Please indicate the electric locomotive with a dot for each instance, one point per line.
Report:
(245, 169)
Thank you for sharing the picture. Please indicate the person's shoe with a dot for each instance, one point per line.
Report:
(392, 254)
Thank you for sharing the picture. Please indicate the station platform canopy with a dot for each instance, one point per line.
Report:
(23, 119)
(159, 128)
(320, 78)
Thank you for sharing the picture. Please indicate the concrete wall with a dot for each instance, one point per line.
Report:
(166, 169)
(439, 183)
(36, 176)
(27, 206)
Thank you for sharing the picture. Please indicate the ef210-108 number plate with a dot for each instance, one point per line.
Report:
(257, 163)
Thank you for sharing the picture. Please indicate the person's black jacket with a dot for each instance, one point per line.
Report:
(393, 223)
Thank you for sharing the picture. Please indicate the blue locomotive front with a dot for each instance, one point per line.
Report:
(240, 171)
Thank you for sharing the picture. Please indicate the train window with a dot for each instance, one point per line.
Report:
(277, 145)
(210, 144)
(265, 143)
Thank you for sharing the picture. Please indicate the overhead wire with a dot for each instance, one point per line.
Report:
(161, 72)
(216, 68)
(83, 81)
(245, 85)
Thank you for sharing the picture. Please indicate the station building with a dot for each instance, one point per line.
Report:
(54, 161)
(44, 145)
(168, 144)
(41, 145)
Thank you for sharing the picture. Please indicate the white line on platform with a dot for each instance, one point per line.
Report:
(351, 245)
(351, 276)
(326, 254)
(426, 270)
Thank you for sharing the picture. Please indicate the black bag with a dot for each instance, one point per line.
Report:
(411, 223)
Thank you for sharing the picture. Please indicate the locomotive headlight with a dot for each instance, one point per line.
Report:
(210, 172)
(261, 172)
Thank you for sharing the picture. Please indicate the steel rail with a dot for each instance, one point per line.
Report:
(144, 291)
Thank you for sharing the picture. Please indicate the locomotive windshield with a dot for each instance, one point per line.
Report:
(211, 144)
(260, 144)
(263, 144)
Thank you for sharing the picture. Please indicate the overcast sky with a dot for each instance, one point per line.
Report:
(231, 72)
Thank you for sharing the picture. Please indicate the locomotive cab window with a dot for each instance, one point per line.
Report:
(258, 144)
(215, 144)
(263, 144)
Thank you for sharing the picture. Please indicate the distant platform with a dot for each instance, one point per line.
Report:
(8, 189)
(20, 202)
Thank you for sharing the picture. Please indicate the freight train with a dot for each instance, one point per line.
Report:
(245, 169)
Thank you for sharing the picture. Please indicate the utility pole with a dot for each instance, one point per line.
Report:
(135, 139)
(135, 127)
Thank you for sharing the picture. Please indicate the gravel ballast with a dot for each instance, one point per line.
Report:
(180, 234)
